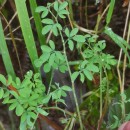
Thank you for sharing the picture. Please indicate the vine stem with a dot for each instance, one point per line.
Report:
(72, 82)
(70, 73)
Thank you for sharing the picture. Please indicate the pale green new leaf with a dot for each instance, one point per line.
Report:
(47, 67)
(52, 59)
(47, 21)
(46, 29)
(40, 9)
(92, 67)
(41, 111)
(88, 74)
(63, 5)
(19, 110)
(74, 75)
(44, 14)
(52, 45)
(63, 12)
(73, 32)
(79, 38)
(82, 78)
(66, 88)
(56, 4)
(13, 106)
(71, 45)
(3, 79)
(46, 48)
(67, 32)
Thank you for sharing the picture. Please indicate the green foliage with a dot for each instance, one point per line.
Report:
(28, 97)
(115, 111)
(51, 58)
(92, 57)
(93, 53)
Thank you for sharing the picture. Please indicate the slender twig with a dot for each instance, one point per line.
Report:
(11, 20)
(2, 5)
(121, 78)
(16, 39)
(17, 28)
(84, 29)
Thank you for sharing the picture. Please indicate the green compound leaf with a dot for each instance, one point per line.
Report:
(41, 111)
(19, 110)
(79, 38)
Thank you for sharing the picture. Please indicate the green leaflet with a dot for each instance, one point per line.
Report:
(118, 40)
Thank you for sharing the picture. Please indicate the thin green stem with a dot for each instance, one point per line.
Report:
(57, 108)
(70, 73)
(100, 91)
(52, 73)
(73, 87)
